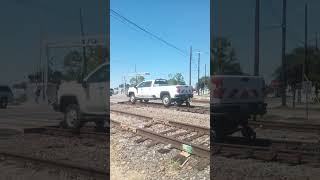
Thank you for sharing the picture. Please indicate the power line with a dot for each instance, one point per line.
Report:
(148, 32)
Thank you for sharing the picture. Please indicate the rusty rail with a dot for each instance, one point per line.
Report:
(58, 164)
(299, 127)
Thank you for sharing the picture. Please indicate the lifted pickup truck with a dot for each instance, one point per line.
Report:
(159, 89)
(85, 101)
(6, 96)
(234, 100)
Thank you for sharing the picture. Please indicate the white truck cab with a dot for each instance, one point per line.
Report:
(85, 101)
(160, 89)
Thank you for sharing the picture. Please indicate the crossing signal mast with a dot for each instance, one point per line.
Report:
(80, 42)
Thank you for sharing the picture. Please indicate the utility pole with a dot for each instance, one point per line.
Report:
(135, 71)
(84, 66)
(317, 41)
(306, 42)
(306, 61)
(284, 63)
(257, 39)
(190, 65)
(205, 74)
(205, 71)
(198, 73)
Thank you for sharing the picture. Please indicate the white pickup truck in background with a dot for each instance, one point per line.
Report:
(85, 101)
(234, 100)
(159, 89)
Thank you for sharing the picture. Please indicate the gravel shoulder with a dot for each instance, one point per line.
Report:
(166, 114)
(249, 169)
(136, 161)
(90, 152)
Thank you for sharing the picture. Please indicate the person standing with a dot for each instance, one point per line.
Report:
(37, 93)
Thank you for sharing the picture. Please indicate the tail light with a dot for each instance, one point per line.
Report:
(218, 91)
(178, 89)
(217, 82)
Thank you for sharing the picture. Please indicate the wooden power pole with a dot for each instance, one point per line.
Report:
(257, 39)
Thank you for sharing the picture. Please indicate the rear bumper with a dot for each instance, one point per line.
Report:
(245, 108)
(183, 96)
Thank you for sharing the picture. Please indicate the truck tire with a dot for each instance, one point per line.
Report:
(72, 117)
(132, 98)
(3, 103)
(248, 133)
(100, 125)
(146, 100)
(179, 102)
(166, 100)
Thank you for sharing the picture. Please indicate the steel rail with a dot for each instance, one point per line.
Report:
(58, 163)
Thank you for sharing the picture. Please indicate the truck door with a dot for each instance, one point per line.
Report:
(96, 90)
(146, 90)
(140, 89)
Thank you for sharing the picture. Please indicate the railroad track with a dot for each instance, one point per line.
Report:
(85, 132)
(179, 135)
(192, 109)
(298, 127)
(59, 164)
(201, 101)
(293, 152)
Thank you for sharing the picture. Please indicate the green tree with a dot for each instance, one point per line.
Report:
(136, 80)
(73, 61)
(225, 59)
(126, 86)
(176, 79)
(295, 61)
(72, 65)
(203, 83)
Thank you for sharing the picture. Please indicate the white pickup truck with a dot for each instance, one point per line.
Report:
(85, 101)
(159, 89)
(234, 100)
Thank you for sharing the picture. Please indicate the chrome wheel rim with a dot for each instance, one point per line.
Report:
(72, 117)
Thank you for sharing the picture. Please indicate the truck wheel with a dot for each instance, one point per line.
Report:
(179, 102)
(100, 125)
(3, 103)
(146, 100)
(188, 104)
(166, 100)
(132, 98)
(248, 133)
(72, 117)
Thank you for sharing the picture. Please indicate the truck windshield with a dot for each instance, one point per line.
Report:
(161, 83)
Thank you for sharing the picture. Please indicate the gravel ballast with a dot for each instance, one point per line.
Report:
(85, 151)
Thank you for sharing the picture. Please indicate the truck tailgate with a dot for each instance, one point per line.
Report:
(237, 89)
(184, 89)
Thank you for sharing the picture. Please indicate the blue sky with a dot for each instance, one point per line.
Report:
(20, 30)
(235, 19)
(183, 23)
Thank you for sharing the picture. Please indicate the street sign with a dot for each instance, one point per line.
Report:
(306, 86)
(97, 40)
